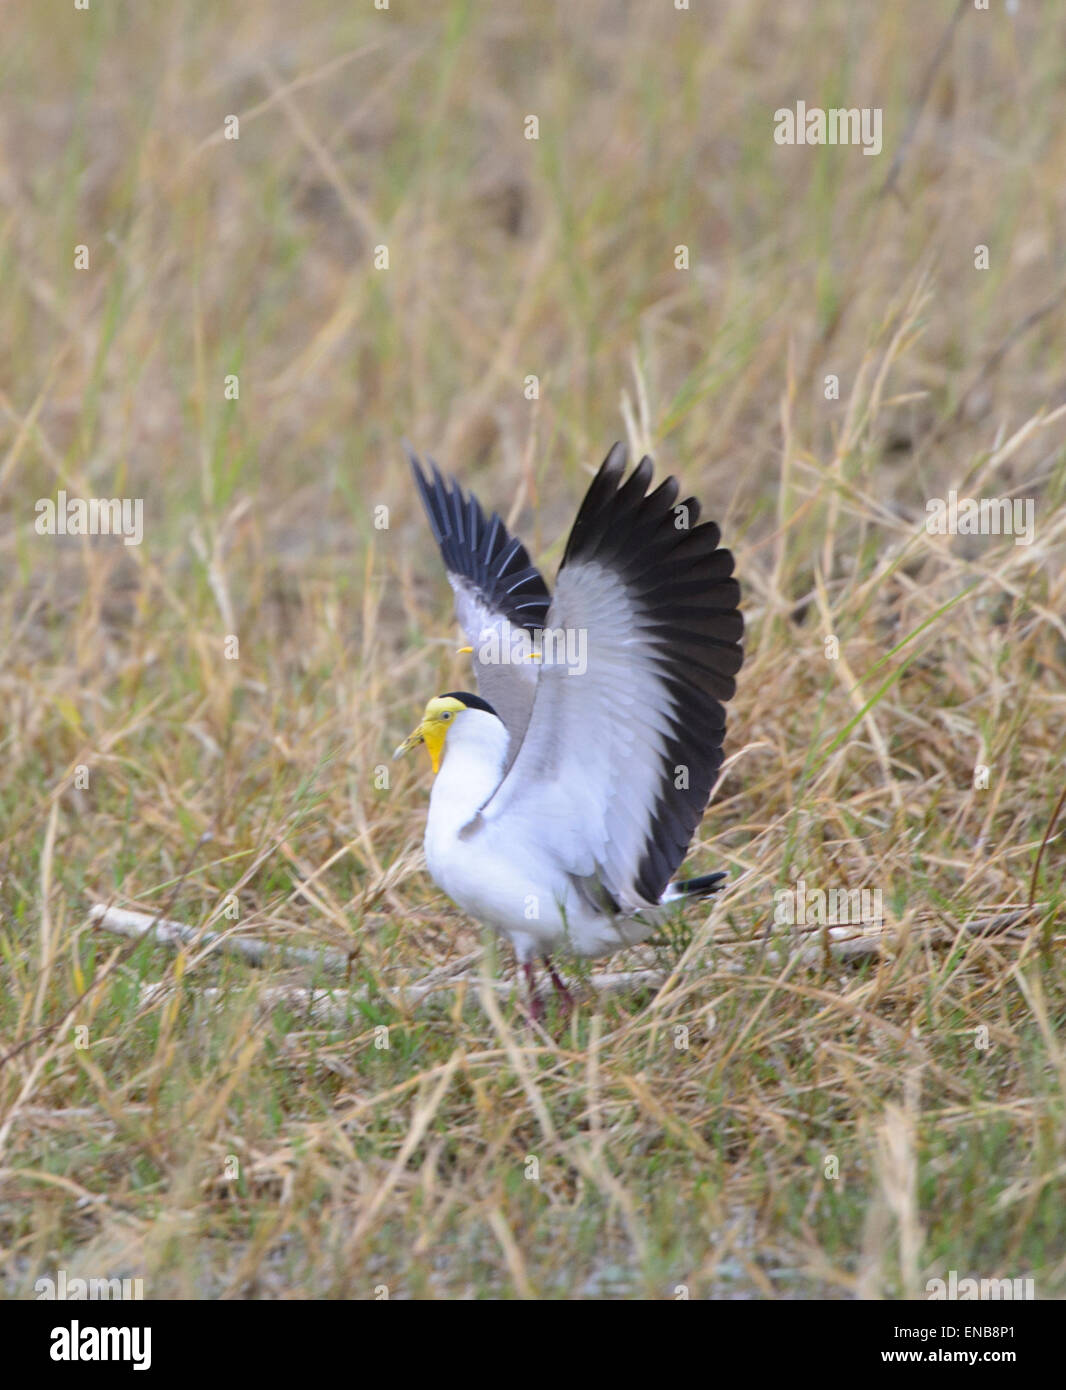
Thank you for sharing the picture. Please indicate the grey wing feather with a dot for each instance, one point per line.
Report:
(622, 750)
(499, 595)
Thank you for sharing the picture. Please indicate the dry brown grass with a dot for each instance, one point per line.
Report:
(657, 1165)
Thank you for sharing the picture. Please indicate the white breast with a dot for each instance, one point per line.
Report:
(475, 752)
(506, 875)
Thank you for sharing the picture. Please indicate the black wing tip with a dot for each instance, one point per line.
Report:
(616, 460)
(428, 475)
(479, 549)
(679, 580)
(423, 479)
(703, 887)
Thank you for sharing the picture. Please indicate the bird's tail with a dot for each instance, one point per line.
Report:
(704, 887)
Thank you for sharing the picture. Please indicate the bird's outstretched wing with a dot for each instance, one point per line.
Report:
(619, 758)
(498, 593)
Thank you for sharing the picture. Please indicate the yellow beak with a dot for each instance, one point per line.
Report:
(413, 739)
(432, 736)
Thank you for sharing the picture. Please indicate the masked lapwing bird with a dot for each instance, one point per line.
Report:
(567, 793)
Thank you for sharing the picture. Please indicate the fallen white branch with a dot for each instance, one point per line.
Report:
(812, 945)
(164, 932)
(335, 1005)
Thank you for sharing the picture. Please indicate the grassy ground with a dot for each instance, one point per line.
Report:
(835, 1124)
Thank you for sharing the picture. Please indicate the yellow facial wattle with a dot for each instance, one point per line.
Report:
(433, 729)
(434, 733)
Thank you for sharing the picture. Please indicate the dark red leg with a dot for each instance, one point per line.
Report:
(566, 999)
(536, 1004)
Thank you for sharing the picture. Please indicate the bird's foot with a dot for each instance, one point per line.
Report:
(536, 1003)
(565, 998)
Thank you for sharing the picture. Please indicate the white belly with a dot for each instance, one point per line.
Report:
(518, 891)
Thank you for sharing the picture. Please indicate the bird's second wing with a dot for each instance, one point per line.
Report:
(497, 594)
(625, 740)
